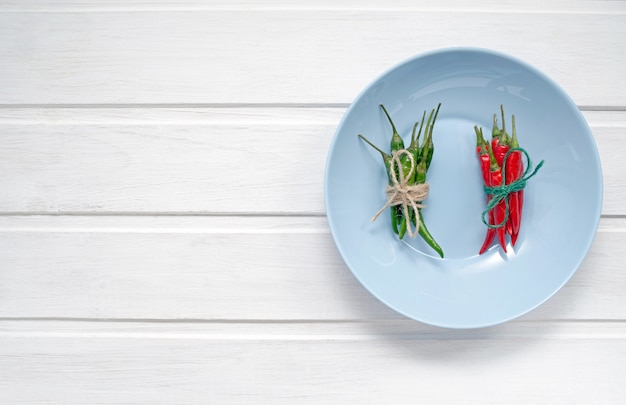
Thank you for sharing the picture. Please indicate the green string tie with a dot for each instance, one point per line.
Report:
(499, 193)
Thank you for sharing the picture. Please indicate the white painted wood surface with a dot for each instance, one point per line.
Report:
(135, 269)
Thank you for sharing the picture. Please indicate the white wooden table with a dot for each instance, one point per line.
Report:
(163, 238)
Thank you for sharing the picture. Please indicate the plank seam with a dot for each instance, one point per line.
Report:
(594, 108)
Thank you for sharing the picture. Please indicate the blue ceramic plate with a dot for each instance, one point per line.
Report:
(562, 206)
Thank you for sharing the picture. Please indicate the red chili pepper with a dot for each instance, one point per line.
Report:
(502, 144)
(491, 234)
(513, 161)
(483, 155)
(502, 141)
(485, 164)
(499, 211)
(520, 205)
(514, 170)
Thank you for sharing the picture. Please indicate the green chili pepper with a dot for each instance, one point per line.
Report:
(414, 147)
(431, 146)
(423, 156)
(426, 132)
(420, 179)
(416, 151)
(387, 161)
(396, 144)
(396, 140)
(425, 234)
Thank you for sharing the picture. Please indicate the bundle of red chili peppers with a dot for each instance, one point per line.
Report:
(504, 179)
(406, 172)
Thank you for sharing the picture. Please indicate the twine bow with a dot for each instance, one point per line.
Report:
(401, 193)
(499, 193)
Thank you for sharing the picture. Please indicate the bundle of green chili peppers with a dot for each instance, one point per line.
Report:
(410, 165)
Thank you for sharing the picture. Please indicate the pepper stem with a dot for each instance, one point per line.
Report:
(480, 139)
(413, 134)
(514, 142)
(427, 131)
(436, 114)
(432, 126)
(427, 144)
(383, 154)
(415, 142)
(495, 132)
(493, 164)
(389, 118)
(504, 137)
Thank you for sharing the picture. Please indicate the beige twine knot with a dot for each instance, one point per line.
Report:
(403, 194)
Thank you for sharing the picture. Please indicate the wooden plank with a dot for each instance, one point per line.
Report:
(197, 160)
(536, 6)
(347, 331)
(276, 55)
(230, 268)
(204, 165)
(191, 364)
